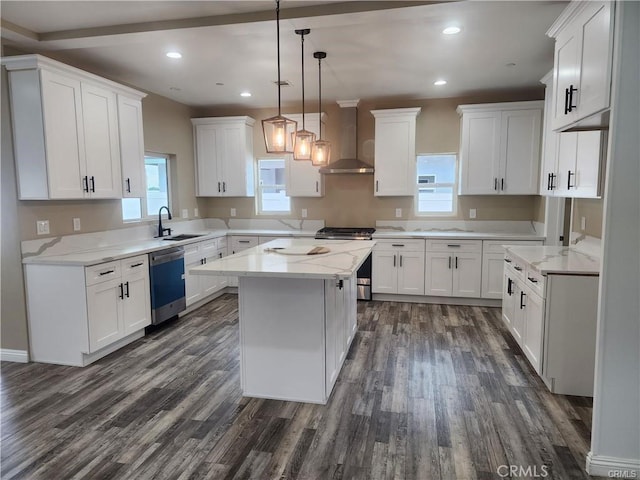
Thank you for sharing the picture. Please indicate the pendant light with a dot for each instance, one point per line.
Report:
(321, 151)
(304, 139)
(278, 130)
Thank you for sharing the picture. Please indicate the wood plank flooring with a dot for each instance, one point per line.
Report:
(427, 392)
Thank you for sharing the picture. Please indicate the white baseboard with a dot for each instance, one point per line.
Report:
(613, 467)
(19, 356)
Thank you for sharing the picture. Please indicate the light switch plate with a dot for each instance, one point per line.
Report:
(583, 223)
(472, 213)
(398, 213)
(304, 213)
(195, 212)
(76, 224)
(42, 227)
(185, 213)
(233, 212)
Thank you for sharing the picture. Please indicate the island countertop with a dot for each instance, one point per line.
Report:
(342, 261)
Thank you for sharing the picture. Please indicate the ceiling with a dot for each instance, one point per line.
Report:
(374, 49)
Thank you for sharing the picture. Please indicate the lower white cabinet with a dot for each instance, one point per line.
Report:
(198, 287)
(493, 265)
(398, 267)
(77, 315)
(453, 268)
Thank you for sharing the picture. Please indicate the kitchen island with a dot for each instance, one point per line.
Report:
(297, 314)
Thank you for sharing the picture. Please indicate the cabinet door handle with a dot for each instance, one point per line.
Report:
(569, 186)
(85, 184)
(549, 181)
(569, 103)
(509, 292)
(220, 254)
(126, 289)
(502, 184)
(121, 292)
(317, 189)
(449, 263)
(522, 295)
(532, 280)
(566, 101)
(219, 190)
(401, 260)
(93, 183)
(456, 263)
(202, 261)
(495, 183)
(106, 272)
(553, 177)
(394, 259)
(376, 185)
(128, 185)
(340, 284)
(136, 265)
(224, 187)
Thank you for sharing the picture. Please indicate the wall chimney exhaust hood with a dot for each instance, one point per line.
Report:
(348, 162)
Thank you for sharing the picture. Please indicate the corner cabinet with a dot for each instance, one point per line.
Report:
(224, 156)
(66, 130)
(302, 178)
(582, 63)
(500, 148)
(395, 152)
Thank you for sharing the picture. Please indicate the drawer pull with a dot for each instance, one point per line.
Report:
(244, 241)
(518, 268)
(454, 246)
(136, 265)
(106, 273)
(532, 280)
(507, 260)
(397, 244)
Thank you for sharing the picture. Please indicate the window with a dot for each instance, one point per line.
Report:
(272, 194)
(436, 184)
(156, 168)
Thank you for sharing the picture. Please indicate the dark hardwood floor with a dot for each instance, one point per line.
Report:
(427, 392)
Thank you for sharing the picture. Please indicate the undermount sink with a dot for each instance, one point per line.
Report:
(183, 236)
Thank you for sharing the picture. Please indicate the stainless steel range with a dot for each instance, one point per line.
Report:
(355, 233)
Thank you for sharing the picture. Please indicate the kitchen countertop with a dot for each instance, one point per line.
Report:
(382, 234)
(342, 261)
(557, 260)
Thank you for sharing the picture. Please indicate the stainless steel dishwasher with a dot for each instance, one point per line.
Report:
(166, 278)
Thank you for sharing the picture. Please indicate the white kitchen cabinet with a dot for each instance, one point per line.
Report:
(453, 268)
(238, 243)
(582, 62)
(224, 156)
(533, 306)
(79, 314)
(131, 147)
(65, 130)
(395, 152)
(199, 287)
(398, 267)
(500, 148)
(302, 178)
(508, 299)
(493, 265)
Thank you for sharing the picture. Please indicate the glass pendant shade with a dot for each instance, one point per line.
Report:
(303, 142)
(278, 134)
(321, 153)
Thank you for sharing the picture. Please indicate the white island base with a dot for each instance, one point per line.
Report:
(294, 336)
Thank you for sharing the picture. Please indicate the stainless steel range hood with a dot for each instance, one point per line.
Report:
(348, 161)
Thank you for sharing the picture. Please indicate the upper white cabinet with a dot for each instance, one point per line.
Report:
(224, 156)
(302, 178)
(131, 146)
(500, 148)
(395, 152)
(66, 130)
(582, 63)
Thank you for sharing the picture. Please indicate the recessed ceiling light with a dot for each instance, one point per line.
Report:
(510, 64)
(245, 94)
(174, 55)
(219, 84)
(451, 30)
(440, 82)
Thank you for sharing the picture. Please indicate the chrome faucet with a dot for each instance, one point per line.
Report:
(160, 229)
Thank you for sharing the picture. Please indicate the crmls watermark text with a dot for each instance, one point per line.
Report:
(622, 474)
(529, 471)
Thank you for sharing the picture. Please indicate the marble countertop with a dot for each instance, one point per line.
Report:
(557, 260)
(382, 234)
(88, 257)
(343, 260)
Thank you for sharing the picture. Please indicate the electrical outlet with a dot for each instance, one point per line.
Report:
(472, 213)
(42, 227)
(398, 213)
(76, 224)
(304, 213)
(195, 212)
(185, 213)
(233, 212)
(583, 223)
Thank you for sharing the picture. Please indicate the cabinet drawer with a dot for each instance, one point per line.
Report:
(516, 265)
(535, 281)
(222, 242)
(495, 246)
(135, 265)
(454, 245)
(408, 245)
(102, 272)
(242, 243)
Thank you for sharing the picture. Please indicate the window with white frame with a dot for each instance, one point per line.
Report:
(436, 184)
(156, 168)
(272, 193)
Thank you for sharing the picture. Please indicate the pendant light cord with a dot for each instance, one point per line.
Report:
(302, 53)
(278, 43)
(319, 99)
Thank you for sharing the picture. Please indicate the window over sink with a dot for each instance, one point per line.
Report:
(272, 195)
(436, 184)
(157, 173)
